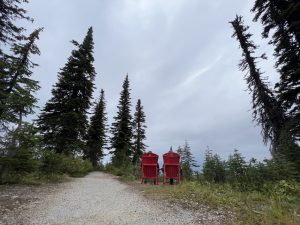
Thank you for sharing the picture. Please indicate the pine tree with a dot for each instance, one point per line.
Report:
(180, 152)
(188, 161)
(236, 168)
(282, 18)
(63, 121)
(97, 138)
(266, 109)
(121, 130)
(11, 11)
(139, 133)
(213, 167)
(16, 86)
(17, 96)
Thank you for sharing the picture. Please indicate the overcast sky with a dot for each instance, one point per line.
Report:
(181, 61)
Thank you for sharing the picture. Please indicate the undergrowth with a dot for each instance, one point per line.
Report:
(277, 204)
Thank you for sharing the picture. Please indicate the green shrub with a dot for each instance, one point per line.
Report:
(213, 168)
(58, 163)
(14, 168)
(247, 176)
(52, 163)
(24, 161)
(77, 167)
(129, 172)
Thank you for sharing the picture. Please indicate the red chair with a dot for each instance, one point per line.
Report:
(149, 166)
(171, 166)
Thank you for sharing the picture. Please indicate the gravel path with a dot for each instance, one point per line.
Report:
(100, 199)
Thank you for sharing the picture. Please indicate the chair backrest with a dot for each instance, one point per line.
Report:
(172, 170)
(149, 158)
(171, 158)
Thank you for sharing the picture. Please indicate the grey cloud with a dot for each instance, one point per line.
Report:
(181, 61)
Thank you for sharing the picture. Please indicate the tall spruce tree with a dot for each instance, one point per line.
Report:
(17, 100)
(281, 18)
(16, 86)
(139, 133)
(188, 161)
(17, 93)
(97, 137)
(266, 109)
(121, 129)
(63, 121)
(17, 89)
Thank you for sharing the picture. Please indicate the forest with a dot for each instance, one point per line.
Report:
(71, 132)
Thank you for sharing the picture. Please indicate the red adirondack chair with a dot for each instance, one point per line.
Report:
(171, 167)
(149, 167)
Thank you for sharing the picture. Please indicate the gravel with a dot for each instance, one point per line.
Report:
(99, 199)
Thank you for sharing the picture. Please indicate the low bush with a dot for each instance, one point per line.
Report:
(128, 173)
(58, 163)
(14, 168)
(247, 176)
(279, 205)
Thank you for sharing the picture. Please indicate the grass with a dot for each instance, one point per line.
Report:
(271, 207)
(34, 178)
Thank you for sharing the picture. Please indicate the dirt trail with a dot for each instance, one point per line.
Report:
(95, 199)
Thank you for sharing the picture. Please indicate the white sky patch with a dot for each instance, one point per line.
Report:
(146, 9)
(191, 79)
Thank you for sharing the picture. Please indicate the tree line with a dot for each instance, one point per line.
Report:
(67, 134)
(64, 131)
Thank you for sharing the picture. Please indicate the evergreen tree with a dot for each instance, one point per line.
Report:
(121, 130)
(97, 138)
(11, 11)
(63, 121)
(17, 88)
(188, 161)
(213, 167)
(19, 151)
(180, 152)
(17, 98)
(236, 168)
(282, 18)
(266, 109)
(139, 134)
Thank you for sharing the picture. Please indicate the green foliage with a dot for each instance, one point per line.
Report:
(213, 168)
(121, 130)
(187, 161)
(53, 163)
(139, 133)
(126, 173)
(16, 87)
(63, 121)
(11, 12)
(33, 178)
(279, 204)
(97, 137)
(278, 114)
(236, 169)
(23, 168)
(252, 175)
(19, 152)
(281, 19)
(22, 162)
(267, 111)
